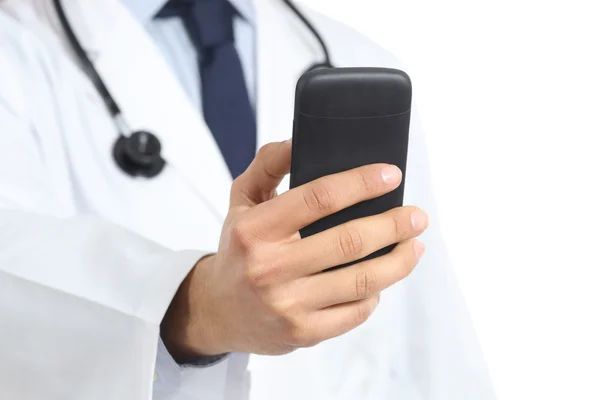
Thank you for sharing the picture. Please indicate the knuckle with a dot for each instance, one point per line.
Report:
(254, 272)
(318, 198)
(399, 222)
(283, 307)
(363, 181)
(351, 243)
(258, 276)
(300, 335)
(241, 233)
(366, 283)
(262, 272)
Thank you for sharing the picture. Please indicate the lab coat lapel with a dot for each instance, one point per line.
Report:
(152, 99)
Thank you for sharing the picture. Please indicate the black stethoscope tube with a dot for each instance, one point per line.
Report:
(139, 153)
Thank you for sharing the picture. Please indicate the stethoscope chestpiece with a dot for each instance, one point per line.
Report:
(139, 154)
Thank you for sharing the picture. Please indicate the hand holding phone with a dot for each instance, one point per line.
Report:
(265, 290)
(346, 118)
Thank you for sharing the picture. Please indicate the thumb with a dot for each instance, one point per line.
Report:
(258, 183)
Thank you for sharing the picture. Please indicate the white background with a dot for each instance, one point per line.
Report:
(509, 92)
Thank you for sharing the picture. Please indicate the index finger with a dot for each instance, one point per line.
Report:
(287, 214)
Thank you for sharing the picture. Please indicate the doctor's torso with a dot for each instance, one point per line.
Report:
(185, 205)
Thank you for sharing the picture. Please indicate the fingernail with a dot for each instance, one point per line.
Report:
(391, 174)
(419, 220)
(419, 249)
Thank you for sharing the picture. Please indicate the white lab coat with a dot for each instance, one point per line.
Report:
(90, 258)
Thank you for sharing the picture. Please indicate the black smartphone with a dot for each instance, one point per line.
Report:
(345, 118)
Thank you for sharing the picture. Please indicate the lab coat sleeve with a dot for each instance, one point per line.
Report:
(81, 299)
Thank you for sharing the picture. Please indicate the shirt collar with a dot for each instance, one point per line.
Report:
(144, 10)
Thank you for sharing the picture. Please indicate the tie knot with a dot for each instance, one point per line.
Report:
(209, 22)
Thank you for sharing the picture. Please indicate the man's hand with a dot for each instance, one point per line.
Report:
(264, 291)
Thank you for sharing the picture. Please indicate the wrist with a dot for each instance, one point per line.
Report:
(188, 330)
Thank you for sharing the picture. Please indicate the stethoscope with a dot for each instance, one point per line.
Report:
(138, 153)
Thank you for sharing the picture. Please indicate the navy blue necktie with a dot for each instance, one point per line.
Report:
(225, 102)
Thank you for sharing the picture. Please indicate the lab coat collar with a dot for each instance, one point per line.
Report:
(145, 10)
